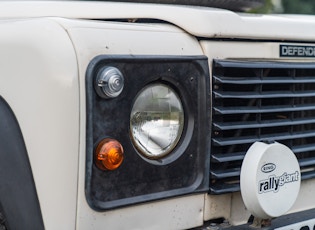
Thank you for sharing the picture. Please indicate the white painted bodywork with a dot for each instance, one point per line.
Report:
(92, 39)
(198, 21)
(45, 49)
(39, 80)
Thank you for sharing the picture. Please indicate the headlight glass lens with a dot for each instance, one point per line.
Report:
(156, 121)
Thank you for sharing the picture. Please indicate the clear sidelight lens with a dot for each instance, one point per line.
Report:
(109, 82)
(156, 121)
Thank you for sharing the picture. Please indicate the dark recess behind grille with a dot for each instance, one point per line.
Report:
(260, 101)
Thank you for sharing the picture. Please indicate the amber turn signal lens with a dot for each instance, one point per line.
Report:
(109, 154)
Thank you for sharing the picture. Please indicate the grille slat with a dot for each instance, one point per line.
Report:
(228, 157)
(308, 175)
(307, 162)
(217, 189)
(251, 125)
(255, 95)
(265, 109)
(246, 140)
(237, 156)
(303, 148)
(220, 174)
(260, 64)
(255, 80)
(260, 101)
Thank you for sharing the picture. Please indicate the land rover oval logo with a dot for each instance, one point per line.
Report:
(267, 168)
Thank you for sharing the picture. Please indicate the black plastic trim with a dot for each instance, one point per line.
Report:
(139, 180)
(260, 101)
(18, 196)
(278, 222)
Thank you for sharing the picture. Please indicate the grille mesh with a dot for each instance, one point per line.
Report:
(260, 101)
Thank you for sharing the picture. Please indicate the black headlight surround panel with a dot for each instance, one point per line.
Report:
(138, 180)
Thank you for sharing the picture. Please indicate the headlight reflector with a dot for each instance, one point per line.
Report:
(156, 121)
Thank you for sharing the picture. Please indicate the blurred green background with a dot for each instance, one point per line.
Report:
(288, 7)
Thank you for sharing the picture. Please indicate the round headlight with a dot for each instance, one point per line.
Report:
(156, 121)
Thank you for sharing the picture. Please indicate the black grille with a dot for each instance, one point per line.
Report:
(260, 101)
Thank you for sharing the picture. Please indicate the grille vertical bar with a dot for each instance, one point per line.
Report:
(260, 101)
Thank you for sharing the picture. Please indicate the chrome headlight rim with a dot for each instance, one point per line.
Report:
(187, 131)
(144, 148)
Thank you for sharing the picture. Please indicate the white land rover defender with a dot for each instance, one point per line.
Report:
(124, 115)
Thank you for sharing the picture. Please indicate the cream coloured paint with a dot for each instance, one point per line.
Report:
(39, 80)
(198, 21)
(48, 57)
(109, 38)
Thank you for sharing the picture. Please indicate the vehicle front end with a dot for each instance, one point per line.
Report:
(156, 116)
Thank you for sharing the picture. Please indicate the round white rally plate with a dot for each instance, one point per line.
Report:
(270, 179)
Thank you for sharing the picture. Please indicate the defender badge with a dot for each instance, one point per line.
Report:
(297, 51)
